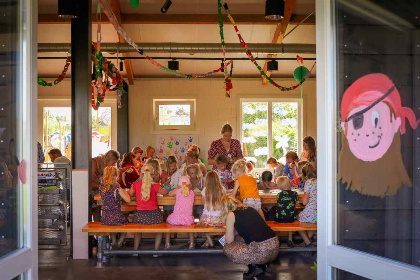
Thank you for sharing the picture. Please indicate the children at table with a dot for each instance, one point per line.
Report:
(171, 167)
(225, 175)
(266, 182)
(286, 203)
(138, 152)
(246, 185)
(147, 209)
(111, 195)
(300, 183)
(149, 153)
(157, 170)
(196, 177)
(277, 166)
(212, 197)
(291, 162)
(251, 170)
(182, 215)
(309, 213)
(128, 171)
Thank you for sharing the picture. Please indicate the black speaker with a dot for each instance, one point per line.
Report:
(274, 9)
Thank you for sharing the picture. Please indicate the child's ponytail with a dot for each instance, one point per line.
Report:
(185, 182)
(146, 185)
(110, 174)
(184, 189)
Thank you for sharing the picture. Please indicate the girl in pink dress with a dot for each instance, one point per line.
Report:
(182, 215)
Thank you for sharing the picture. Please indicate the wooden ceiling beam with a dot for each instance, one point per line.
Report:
(179, 19)
(279, 33)
(115, 6)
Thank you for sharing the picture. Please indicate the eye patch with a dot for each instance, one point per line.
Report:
(358, 122)
(358, 118)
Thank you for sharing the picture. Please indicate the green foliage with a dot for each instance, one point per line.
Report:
(285, 123)
(314, 266)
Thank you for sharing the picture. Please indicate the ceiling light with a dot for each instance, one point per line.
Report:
(274, 9)
(166, 6)
(173, 65)
(272, 65)
(67, 9)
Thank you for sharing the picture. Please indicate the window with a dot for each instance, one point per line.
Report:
(270, 128)
(57, 130)
(173, 115)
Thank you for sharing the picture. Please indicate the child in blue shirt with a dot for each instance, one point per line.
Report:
(291, 162)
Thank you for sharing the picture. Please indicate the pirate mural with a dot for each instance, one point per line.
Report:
(374, 187)
(372, 121)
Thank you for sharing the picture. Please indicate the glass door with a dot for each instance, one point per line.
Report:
(18, 152)
(368, 80)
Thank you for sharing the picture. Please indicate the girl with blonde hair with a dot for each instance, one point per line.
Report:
(147, 212)
(212, 200)
(193, 171)
(157, 170)
(111, 195)
(246, 185)
(256, 243)
(98, 166)
(182, 215)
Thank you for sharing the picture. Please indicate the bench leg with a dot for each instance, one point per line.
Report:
(106, 246)
(99, 254)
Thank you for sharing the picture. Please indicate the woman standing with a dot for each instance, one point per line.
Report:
(309, 150)
(98, 165)
(256, 243)
(225, 146)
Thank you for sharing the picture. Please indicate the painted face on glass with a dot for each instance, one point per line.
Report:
(370, 130)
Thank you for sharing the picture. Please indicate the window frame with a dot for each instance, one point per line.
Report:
(270, 102)
(174, 129)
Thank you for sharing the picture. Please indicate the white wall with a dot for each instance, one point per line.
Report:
(213, 108)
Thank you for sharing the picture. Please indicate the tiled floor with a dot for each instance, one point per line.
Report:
(53, 265)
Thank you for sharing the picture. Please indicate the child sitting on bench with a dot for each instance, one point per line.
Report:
(147, 212)
(286, 203)
(111, 195)
(182, 215)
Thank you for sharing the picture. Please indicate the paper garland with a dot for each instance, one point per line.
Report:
(228, 80)
(107, 77)
(44, 83)
(113, 20)
(251, 57)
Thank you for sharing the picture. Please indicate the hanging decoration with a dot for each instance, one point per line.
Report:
(251, 57)
(300, 73)
(134, 3)
(106, 77)
(113, 20)
(44, 83)
(228, 80)
(299, 59)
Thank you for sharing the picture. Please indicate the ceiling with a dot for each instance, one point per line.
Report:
(184, 33)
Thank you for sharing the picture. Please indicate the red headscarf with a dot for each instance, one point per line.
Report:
(370, 88)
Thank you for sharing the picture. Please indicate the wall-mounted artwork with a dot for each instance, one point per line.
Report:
(373, 120)
(174, 145)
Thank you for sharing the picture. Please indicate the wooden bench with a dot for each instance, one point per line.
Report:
(102, 232)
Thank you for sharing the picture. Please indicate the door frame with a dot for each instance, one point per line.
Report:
(331, 256)
(25, 260)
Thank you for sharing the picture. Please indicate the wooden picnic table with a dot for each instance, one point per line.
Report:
(266, 198)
